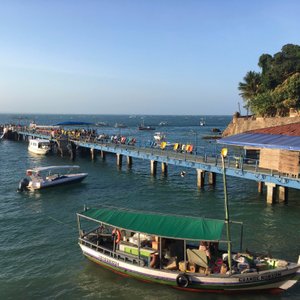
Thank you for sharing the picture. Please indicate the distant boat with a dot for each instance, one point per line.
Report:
(34, 126)
(39, 146)
(202, 122)
(163, 123)
(102, 124)
(144, 127)
(141, 127)
(44, 177)
(74, 123)
(120, 125)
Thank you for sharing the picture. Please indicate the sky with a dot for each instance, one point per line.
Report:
(174, 57)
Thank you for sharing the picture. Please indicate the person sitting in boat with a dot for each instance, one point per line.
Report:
(204, 246)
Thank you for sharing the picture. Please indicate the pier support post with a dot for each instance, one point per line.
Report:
(102, 154)
(271, 192)
(212, 178)
(129, 161)
(119, 160)
(153, 167)
(260, 186)
(164, 168)
(200, 178)
(92, 153)
(282, 194)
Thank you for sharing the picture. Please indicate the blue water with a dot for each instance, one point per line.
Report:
(39, 255)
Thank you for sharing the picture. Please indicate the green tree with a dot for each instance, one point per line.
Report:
(250, 87)
(277, 88)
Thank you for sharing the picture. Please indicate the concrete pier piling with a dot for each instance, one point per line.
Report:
(200, 178)
(119, 160)
(153, 167)
(164, 168)
(271, 192)
(92, 153)
(260, 186)
(129, 161)
(212, 178)
(102, 154)
(282, 194)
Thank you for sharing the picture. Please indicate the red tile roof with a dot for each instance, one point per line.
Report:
(289, 130)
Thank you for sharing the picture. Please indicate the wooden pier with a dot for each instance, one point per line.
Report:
(205, 164)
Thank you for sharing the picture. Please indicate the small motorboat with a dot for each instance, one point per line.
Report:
(44, 177)
(39, 146)
(202, 122)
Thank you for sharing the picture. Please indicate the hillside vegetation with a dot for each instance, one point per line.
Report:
(276, 89)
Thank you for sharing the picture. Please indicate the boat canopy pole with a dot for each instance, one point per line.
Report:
(241, 234)
(223, 155)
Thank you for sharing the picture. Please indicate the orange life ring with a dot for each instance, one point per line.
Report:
(118, 233)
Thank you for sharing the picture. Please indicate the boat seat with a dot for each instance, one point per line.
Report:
(198, 257)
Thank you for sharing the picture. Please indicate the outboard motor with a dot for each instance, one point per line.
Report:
(23, 185)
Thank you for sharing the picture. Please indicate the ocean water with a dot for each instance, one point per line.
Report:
(39, 255)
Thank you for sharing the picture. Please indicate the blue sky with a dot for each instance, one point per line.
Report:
(136, 56)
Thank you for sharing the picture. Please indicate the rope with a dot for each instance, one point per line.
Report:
(60, 222)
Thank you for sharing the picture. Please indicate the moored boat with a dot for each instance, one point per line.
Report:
(3, 132)
(44, 177)
(162, 249)
(39, 146)
(120, 125)
(145, 127)
(202, 122)
(141, 127)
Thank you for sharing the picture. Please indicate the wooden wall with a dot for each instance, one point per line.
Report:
(283, 161)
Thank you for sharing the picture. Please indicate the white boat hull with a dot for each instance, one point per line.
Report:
(279, 279)
(56, 180)
(38, 150)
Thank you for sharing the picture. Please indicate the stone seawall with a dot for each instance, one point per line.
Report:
(244, 124)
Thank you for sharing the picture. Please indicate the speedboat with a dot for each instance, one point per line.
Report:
(44, 177)
(39, 146)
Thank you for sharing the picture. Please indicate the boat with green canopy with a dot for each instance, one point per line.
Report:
(180, 251)
(163, 248)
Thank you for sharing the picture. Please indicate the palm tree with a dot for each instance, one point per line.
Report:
(250, 87)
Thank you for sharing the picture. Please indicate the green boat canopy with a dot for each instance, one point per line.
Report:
(171, 226)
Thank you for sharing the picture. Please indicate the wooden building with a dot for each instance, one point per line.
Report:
(277, 149)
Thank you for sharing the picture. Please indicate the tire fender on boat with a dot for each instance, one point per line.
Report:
(182, 280)
(117, 232)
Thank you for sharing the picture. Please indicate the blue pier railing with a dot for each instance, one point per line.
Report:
(199, 158)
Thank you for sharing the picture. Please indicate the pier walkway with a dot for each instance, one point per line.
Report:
(203, 162)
